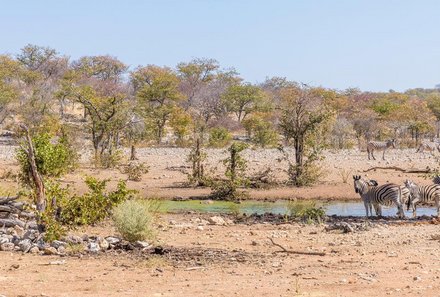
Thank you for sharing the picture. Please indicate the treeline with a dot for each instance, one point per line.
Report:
(115, 106)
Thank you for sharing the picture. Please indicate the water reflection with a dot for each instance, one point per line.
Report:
(279, 207)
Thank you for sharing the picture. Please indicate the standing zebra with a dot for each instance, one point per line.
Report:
(378, 195)
(380, 146)
(428, 146)
(423, 194)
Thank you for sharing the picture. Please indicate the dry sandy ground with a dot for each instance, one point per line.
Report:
(168, 174)
(388, 259)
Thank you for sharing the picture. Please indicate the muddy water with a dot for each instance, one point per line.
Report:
(278, 207)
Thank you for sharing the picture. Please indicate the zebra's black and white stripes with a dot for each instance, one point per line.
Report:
(378, 195)
(428, 146)
(425, 193)
(380, 146)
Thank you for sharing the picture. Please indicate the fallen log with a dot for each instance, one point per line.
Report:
(4, 200)
(427, 170)
(11, 223)
(9, 208)
(284, 250)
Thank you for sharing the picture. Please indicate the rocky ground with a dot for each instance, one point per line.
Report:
(378, 258)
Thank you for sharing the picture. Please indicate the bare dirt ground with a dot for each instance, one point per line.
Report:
(390, 258)
(169, 169)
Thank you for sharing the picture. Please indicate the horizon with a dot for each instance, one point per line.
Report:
(370, 45)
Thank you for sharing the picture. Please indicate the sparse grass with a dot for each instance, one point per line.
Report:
(134, 219)
(344, 174)
(74, 248)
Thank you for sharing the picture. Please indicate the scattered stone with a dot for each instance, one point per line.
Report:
(34, 250)
(200, 228)
(50, 251)
(103, 244)
(73, 239)
(58, 243)
(141, 244)
(7, 247)
(216, 220)
(112, 240)
(31, 234)
(93, 247)
(61, 250)
(25, 245)
(4, 239)
(417, 278)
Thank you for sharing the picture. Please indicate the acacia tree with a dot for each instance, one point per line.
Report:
(304, 114)
(45, 68)
(193, 76)
(156, 90)
(243, 99)
(97, 83)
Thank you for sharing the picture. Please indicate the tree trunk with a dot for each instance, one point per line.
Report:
(133, 155)
(298, 158)
(40, 195)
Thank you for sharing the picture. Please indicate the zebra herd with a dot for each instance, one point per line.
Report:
(388, 194)
(384, 145)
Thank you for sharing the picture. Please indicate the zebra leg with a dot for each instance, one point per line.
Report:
(400, 210)
(368, 151)
(437, 204)
(374, 158)
(366, 208)
(378, 209)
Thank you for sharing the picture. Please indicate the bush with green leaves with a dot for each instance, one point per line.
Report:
(219, 137)
(235, 175)
(306, 211)
(134, 220)
(53, 157)
(261, 131)
(95, 205)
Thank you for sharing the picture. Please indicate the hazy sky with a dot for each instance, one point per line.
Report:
(370, 44)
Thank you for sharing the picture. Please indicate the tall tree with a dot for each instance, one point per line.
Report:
(156, 89)
(194, 75)
(304, 114)
(244, 99)
(97, 83)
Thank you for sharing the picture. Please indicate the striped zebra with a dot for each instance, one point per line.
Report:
(428, 146)
(380, 146)
(378, 207)
(386, 194)
(423, 194)
(436, 179)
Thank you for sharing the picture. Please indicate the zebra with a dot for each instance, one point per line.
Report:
(424, 194)
(428, 146)
(404, 198)
(378, 195)
(380, 146)
(436, 179)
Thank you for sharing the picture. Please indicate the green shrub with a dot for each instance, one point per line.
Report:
(219, 137)
(134, 219)
(95, 205)
(135, 170)
(107, 160)
(261, 131)
(306, 211)
(235, 175)
(53, 158)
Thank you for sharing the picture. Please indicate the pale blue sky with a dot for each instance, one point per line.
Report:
(370, 44)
